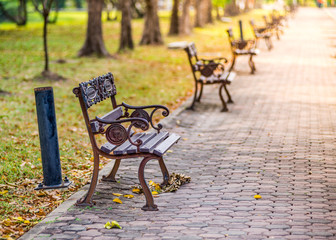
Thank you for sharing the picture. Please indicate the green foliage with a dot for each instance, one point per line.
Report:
(220, 3)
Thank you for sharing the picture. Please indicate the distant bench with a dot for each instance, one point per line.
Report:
(241, 48)
(207, 72)
(262, 33)
(122, 141)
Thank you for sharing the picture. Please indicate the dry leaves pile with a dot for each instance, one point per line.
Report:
(176, 180)
(25, 207)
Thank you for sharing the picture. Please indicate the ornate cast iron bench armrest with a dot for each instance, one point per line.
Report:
(115, 126)
(141, 113)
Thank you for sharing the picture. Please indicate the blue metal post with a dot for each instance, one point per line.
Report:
(241, 30)
(46, 118)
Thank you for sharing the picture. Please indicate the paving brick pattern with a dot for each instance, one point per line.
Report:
(277, 140)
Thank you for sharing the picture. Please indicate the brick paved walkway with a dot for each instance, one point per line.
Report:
(278, 140)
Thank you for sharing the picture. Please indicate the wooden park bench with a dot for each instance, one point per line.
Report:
(242, 47)
(209, 71)
(122, 141)
(262, 33)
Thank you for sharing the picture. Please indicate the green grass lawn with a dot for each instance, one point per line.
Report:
(147, 75)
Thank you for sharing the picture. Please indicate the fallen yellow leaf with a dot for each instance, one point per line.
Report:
(117, 200)
(7, 222)
(3, 192)
(128, 196)
(136, 190)
(112, 224)
(117, 194)
(257, 196)
(155, 193)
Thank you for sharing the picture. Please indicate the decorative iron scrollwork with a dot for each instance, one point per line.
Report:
(98, 89)
(208, 69)
(140, 113)
(116, 134)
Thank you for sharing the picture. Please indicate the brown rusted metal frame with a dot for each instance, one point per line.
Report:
(87, 199)
(247, 45)
(274, 25)
(262, 32)
(198, 93)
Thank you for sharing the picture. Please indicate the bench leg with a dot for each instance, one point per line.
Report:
(201, 92)
(228, 94)
(87, 199)
(150, 206)
(195, 97)
(165, 173)
(269, 43)
(111, 176)
(224, 109)
(233, 62)
(251, 63)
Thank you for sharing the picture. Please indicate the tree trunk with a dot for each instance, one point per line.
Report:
(94, 42)
(174, 20)
(217, 14)
(126, 40)
(185, 26)
(21, 18)
(209, 12)
(151, 33)
(45, 42)
(46, 10)
(199, 18)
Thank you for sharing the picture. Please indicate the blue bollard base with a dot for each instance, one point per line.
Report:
(66, 183)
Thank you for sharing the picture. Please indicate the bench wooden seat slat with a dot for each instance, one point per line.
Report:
(123, 147)
(145, 138)
(109, 147)
(166, 144)
(151, 144)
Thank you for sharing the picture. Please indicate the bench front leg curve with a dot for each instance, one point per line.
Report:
(228, 94)
(165, 173)
(111, 176)
(150, 206)
(251, 64)
(201, 92)
(233, 62)
(224, 109)
(269, 43)
(195, 97)
(87, 199)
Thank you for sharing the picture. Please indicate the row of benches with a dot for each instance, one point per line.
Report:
(213, 71)
(120, 126)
